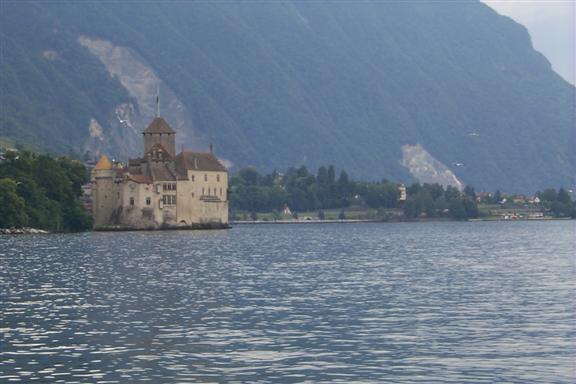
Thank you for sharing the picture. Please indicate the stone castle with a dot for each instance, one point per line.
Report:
(162, 189)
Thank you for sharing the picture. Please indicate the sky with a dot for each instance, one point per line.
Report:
(552, 26)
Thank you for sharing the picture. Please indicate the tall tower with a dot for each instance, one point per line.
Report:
(159, 132)
(104, 193)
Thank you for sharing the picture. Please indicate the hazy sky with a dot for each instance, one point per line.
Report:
(552, 25)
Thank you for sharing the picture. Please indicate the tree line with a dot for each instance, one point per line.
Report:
(303, 191)
(43, 192)
(558, 202)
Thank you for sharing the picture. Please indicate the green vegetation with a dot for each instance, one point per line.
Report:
(325, 196)
(43, 192)
(51, 86)
(558, 202)
(277, 83)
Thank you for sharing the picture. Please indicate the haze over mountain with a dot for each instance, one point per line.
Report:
(439, 91)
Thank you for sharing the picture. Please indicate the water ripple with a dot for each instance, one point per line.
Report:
(402, 303)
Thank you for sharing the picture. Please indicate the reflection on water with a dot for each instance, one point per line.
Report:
(402, 303)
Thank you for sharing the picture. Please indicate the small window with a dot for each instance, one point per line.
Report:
(217, 177)
(174, 186)
(192, 194)
(173, 199)
(163, 187)
(148, 201)
(131, 201)
(220, 191)
(192, 178)
(205, 177)
(202, 191)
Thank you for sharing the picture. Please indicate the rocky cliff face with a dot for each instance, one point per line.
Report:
(146, 88)
(447, 92)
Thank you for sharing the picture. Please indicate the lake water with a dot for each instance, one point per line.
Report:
(400, 303)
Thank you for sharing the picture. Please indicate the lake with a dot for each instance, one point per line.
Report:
(478, 302)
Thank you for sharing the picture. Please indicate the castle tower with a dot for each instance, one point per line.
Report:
(103, 198)
(159, 132)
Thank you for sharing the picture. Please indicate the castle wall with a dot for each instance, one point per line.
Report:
(203, 198)
(105, 197)
(140, 207)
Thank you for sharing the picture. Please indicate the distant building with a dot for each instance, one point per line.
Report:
(286, 210)
(518, 199)
(162, 189)
(402, 192)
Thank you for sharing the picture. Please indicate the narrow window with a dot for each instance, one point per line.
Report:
(205, 177)
(192, 194)
(217, 177)
(174, 186)
(163, 187)
(220, 191)
(202, 191)
(148, 201)
(192, 178)
(173, 199)
(131, 201)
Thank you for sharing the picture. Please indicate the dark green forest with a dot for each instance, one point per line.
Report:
(42, 192)
(278, 83)
(303, 191)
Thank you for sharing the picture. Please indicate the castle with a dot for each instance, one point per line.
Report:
(162, 189)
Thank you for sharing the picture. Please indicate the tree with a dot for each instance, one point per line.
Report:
(471, 208)
(322, 176)
(469, 191)
(50, 188)
(457, 210)
(249, 175)
(331, 174)
(497, 197)
(548, 195)
(563, 196)
(12, 206)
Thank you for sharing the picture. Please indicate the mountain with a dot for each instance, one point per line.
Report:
(434, 91)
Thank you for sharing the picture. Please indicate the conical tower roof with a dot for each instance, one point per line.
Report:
(103, 164)
(159, 125)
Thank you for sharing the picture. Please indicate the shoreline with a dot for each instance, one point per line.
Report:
(354, 221)
(231, 224)
(23, 231)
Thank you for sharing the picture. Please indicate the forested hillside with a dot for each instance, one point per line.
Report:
(278, 83)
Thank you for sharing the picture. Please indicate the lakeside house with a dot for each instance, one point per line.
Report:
(162, 189)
